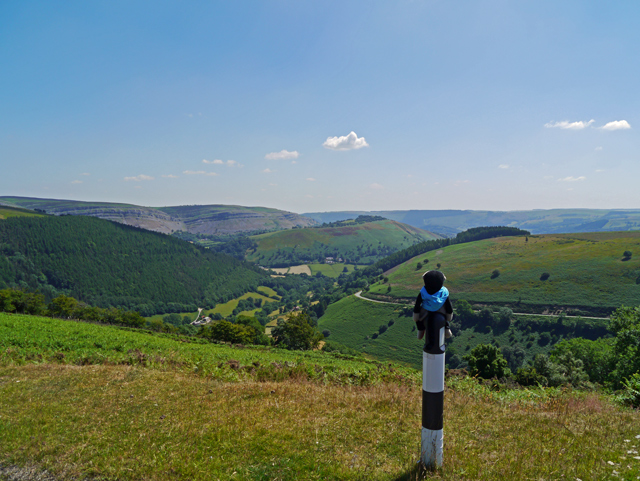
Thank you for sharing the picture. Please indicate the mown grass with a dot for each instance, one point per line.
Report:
(585, 270)
(331, 270)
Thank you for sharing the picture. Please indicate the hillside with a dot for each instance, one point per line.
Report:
(386, 331)
(586, 271)
(109, 264)
(359, 241)
(86, 401)
(196, 219)
(450, 222)
(7, 212)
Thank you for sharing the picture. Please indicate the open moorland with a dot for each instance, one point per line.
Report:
(195, 219)
(585, 271)
(539, 221)
(87, 401)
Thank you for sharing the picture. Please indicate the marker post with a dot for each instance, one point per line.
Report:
(433, 391)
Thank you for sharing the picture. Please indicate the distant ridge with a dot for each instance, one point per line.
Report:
(552, 221)
(195, 219)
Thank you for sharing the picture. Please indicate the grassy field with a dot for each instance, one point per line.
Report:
(351, 320)
(584, 270)
(366, 242)
(227, 308)
(7, 212)
(329, 270)
(82, 400)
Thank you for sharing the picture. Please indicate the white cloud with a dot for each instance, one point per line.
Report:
(616, 125)
(282, 155)
(573, 179)
(598, 148)
(85, 173)
(503, 166)
(138, 178)
(273, 185)
(294, 162)
(311, 179)
(232, 163)
(600, 170)
(170, 176)
(376, 186)
(267, 171)
(198, 172)
(216, 161)
(346, 142)
(565, 124)
(76, 182)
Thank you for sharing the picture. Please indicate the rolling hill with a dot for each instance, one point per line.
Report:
(195, 219)
(585, 271)
(360, 241)
(450, 222)
(109, 264)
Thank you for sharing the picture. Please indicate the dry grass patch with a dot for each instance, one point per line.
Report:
(120, 422)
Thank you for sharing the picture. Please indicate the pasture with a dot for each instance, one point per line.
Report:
(584, 270)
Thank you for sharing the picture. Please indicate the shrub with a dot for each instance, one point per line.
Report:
(296, 332)
(495, 273)
(419, 266)
(544, 276)
(631, 394)
(382, 329)
(486, 361)
(391, 323)
(326, 333)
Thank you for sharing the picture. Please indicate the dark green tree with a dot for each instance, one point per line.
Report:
(296, 332)
(486, 361)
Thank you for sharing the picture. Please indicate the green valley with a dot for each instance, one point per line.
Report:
(359, 241)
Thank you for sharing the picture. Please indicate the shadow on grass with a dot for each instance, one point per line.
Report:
(417, 473)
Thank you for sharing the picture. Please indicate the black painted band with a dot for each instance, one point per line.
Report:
(432, 407)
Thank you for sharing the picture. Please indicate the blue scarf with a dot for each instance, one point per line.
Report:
(433, 302)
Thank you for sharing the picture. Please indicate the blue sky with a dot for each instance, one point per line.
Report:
(496, 105)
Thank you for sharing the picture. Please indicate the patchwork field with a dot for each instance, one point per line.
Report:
(583, 270)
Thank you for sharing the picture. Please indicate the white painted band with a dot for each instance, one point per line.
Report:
(432, 372)
(431, 452)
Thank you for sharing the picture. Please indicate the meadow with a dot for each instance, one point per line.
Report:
(87, 401)
(7, 212)
(226, 309)
(587, 271)
(330, 270)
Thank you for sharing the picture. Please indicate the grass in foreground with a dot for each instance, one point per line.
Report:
(123, 422)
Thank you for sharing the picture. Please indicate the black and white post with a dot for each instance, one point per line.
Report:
(433, 391)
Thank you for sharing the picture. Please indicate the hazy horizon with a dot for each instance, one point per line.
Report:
(322, 107)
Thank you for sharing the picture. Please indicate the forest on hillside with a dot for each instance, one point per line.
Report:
(109, 264)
